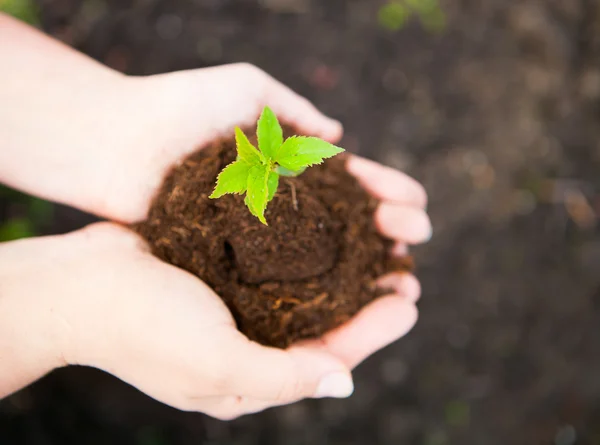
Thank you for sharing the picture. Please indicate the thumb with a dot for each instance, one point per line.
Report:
(285, 376)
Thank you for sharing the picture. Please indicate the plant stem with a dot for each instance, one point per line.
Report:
(294, 197)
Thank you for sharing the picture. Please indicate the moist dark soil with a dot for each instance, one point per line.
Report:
(310, 270)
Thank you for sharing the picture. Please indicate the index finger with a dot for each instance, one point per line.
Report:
(386, 183)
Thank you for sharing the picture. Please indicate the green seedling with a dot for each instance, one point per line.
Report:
(256, 172)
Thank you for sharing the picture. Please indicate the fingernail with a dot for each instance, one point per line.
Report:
(418, 231)
(426, 229)
(429, 234)
(412, 288)
(338, 385)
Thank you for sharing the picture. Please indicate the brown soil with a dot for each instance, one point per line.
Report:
(309, 271)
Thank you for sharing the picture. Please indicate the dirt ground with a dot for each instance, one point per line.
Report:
(499, 116)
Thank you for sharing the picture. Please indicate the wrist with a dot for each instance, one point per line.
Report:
(56, 301)
(31, 339)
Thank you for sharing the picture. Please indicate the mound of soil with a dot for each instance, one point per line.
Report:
(309, 271)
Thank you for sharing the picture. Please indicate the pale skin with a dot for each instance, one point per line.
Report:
(78, 133)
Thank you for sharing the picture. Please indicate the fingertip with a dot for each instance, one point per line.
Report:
(299, 112)
(403, 317)
(319, 125)
(404, 284)
(332, 378)
(334, 131)
(403, 223)
(358, 166)
(387, 183)
(412, 288)
(322, 126)
(338, 385)
(288, 375)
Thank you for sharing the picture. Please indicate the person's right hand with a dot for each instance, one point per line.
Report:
(97, 297)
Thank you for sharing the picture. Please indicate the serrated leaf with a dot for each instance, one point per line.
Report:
(232, 179)
(299, 152)
(246, 151)
(247, 202)
(269, 133)
(272, 185)
(258, 193)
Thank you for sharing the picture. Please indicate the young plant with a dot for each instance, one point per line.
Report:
(256, 172)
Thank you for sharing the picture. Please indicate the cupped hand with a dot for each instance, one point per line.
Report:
(116, 307)
(98, 297)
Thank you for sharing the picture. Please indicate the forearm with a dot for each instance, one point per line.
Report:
(59, 111)
(29, 338)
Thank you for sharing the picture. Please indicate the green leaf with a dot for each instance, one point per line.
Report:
(249, 205)
(272, 184)
(246, 151)
(258, 191)
(232, 179)
(298, 152)
(269, 132)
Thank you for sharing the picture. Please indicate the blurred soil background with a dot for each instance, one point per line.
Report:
(495, 106)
